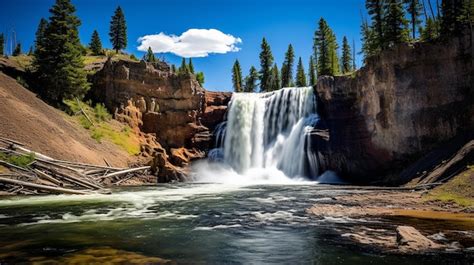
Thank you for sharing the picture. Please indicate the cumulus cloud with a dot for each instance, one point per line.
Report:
(192, 43)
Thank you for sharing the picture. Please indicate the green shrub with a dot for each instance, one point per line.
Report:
(101, 113)
(18, 160)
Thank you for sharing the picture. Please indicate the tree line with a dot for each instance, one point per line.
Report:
(391, 22)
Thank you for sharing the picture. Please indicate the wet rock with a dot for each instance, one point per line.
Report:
(411, 240)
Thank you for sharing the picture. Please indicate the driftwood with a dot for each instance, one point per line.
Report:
(126, 171)
(10, 141)
(41, 187)
(47, 174)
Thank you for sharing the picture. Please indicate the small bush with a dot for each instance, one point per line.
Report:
(18, 160)
(101, 113)
(97, 135)
(22, 82)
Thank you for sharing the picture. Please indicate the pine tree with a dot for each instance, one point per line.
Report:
(346, 56)
(312, 72)
(369, 43)
(40, 34)
(431, 31)
(58, 61)
(183, 69)
(118, 30)
(455, 16)
(275, 79)
(251, 80)
(191, 66)
(200, 78)
(237, 77)
(266, 63)
(414, 10)
(149, 56)
(173, 68)
(95, 45)
(2, 43)
(287, 68)
(395, 30)
(325, 40)
(17, 51)
(375, 8)
(300, 75)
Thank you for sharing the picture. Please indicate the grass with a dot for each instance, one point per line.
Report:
(459, 189)
(18, 160)
(103, 128)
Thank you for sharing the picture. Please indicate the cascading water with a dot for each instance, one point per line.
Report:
(269, 131)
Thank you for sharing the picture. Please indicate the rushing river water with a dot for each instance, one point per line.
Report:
(191, 223)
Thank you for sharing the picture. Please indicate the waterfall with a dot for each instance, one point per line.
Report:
(269, 131)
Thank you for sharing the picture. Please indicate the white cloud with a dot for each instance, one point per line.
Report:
(192, 43)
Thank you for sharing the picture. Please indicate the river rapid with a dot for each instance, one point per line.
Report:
(189, 223)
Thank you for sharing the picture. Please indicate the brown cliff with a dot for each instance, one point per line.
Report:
(152, 99)
(398, 107)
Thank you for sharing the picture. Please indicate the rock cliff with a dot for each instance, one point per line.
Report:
(152, 99)
(398, 107)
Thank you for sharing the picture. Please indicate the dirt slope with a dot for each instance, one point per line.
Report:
(26, 118)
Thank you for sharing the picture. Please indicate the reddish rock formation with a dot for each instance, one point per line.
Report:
(152, 99)
(402, 104)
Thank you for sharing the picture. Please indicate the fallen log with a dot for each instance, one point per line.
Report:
(45, 176)
(122, 172)
(10, 165)
(83, 112)
(10, 141)
(42, 187)
(70, 178)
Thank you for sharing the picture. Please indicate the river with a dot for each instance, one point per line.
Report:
(192, 223)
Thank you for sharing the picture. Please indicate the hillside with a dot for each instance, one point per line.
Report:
(26, 118)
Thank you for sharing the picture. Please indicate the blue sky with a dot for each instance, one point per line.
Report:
(281, 22)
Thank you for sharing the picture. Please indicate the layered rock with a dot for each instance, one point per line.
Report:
(152, 99)
(402, 104)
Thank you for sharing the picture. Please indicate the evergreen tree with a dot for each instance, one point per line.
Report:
(266, 63)
(395, 30)
(275, 78)
(173, 68)
(346, 56)
(191, 66)
(30, 51)
(369, 44)
(183, 69)
(456, 16)
(287, 68)
(17, 50)
(431, 31)
(237, 77)
(251, 80)
(200, 78)
(312, 72)
(2, 43)
(300, 75)
(95, 45)
(328, 63)
(414, 10)
(375, 8)
(118, 30)
(149, 56)
(58, 60)
(40, 34)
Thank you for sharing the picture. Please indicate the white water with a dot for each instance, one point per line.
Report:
(265, 140)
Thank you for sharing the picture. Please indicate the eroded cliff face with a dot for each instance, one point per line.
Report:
(402, 104)
(174, 108)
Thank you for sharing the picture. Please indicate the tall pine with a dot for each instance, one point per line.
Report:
(325, 40)
(287, 68)
(59, 63)
(346, 56)
(456, 16)
(95, 45)
(251, 80)
(118, 30)
(237, 77)
(376, 10)
(414, 9)
(149, 56)
(183, 69)
(275, 78)
(200, 78)
(312, 72)
(300, 75)
(17, 51)
(40, 35)
(191, 66)
(266, 63)
(395, 30)
(369, 42)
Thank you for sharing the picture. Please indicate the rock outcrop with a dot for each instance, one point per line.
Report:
(152, 99)
(398, 107)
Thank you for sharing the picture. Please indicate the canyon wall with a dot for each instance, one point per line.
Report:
(172, 107)
(402, 104)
